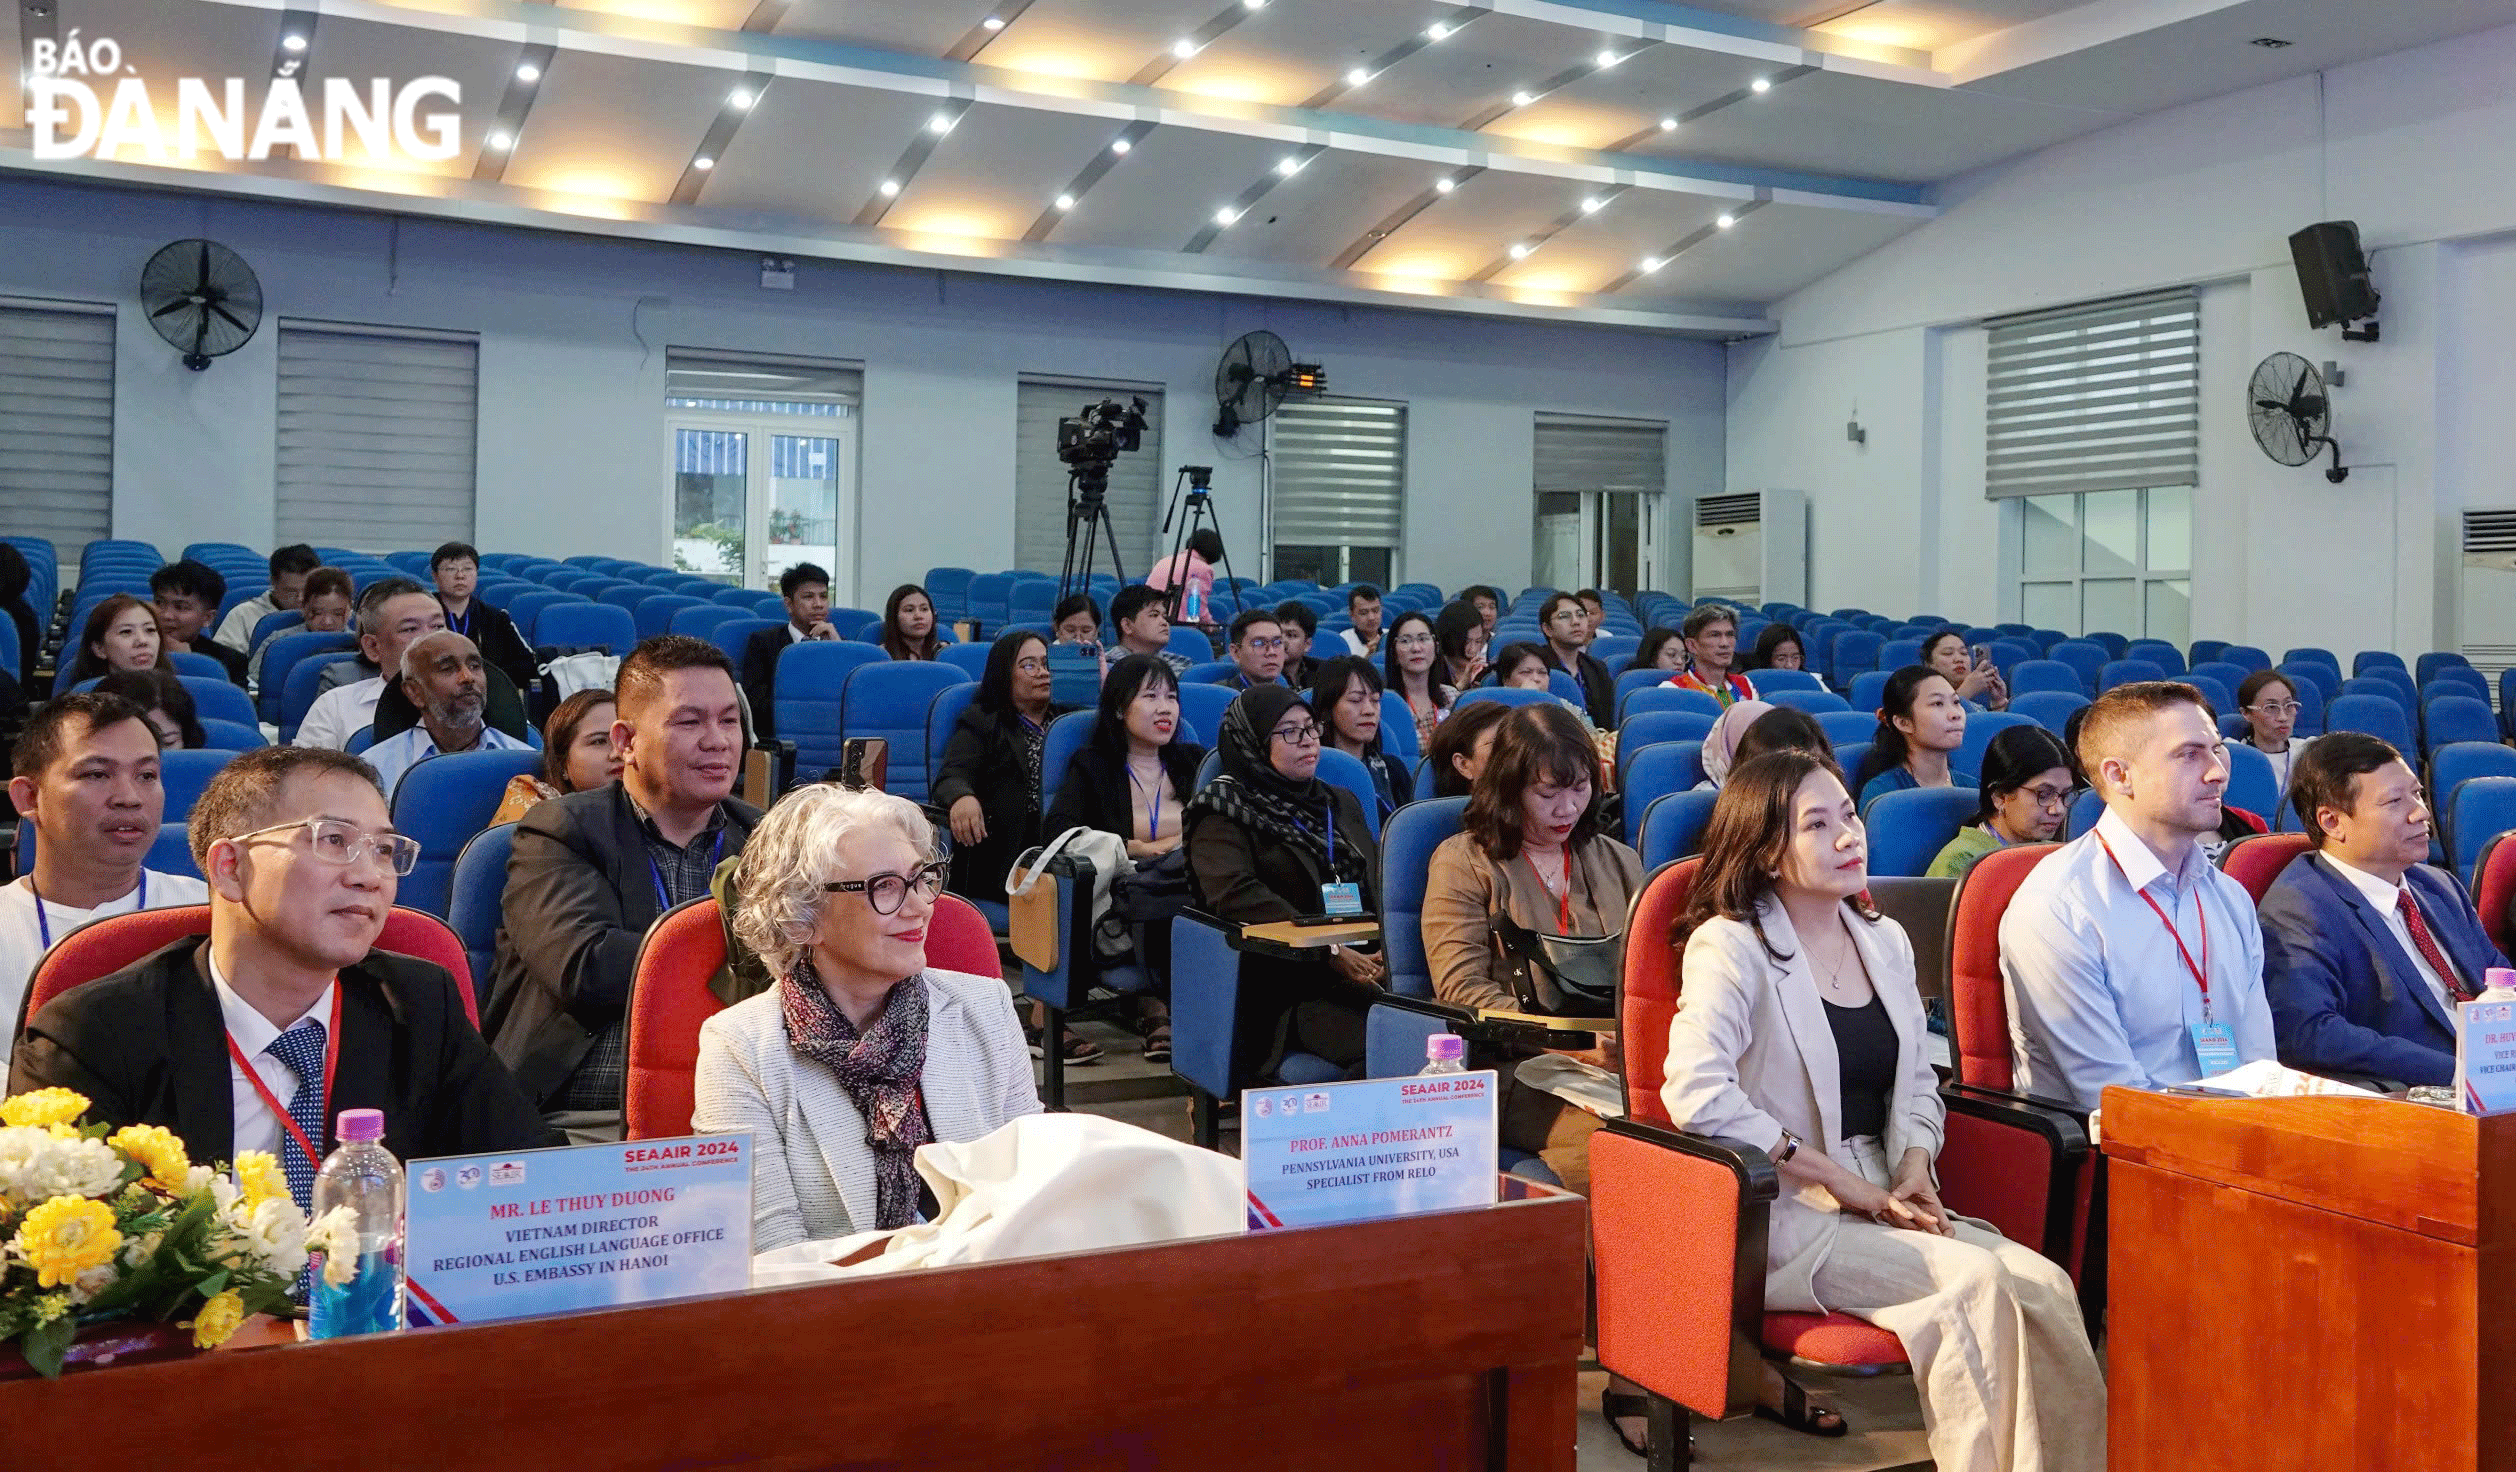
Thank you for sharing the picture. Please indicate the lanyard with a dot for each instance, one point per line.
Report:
(1153, 801)
(43, 925)
(663, 896)
(1563, 902)
(331, 1062)
(2201, 973)
(461, 625)
(1331, 828)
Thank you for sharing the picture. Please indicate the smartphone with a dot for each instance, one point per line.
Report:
(865, 762)
(1982, 654)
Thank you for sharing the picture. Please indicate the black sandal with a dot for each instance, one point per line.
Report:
(1621, 1405)
(1800, 1416)
(1157, 1043)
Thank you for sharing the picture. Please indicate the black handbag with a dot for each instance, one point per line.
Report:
(1562, 975)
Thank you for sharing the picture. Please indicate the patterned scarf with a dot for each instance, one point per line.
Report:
(1251, 792)
(879, 1069)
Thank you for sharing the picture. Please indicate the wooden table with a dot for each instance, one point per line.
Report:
(1292, 940)
(1447, 1340)
(2311, 1283)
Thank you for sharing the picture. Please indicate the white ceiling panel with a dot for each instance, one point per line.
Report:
(1105, 40)
(1605, 107)
(721, 15)
(1167, 189)
(12, 45)
(1294, 49)
(359, 50)
(1471, 227)
(1333, 202)
(997, 170)
(1926, 25)
(616, 128)
(1837, 124)
(763, 169)
(1607, 244)
(1773, 252)
(162, 43)
(1445, 84)
(926, 28)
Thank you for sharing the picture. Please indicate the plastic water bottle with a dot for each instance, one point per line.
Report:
(363, 1176)
(1445, 1052)
(2498, 984)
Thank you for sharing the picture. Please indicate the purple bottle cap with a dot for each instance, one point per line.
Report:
(362, 1124)
(1445, 1047)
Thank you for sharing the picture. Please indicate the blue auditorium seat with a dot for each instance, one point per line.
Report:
(655, 615)
(2030, 675)
(2452, 718)
(2485, 807)
(298, 695)
(2252, 784)
(2438, 659)
(2126, 671)
(1661, 697)
(2374, 715)
(1673, 826)
(811, 699)
(1765, 681)
(2246, 656)
(889, 700)
(701, 618)
(2371, 659)
(1340, 770)
(2048, 708)
(1650, 727)
(2158, 652)
(1843, 727)
(443, 802)
(1812, 701)
(1981, 727)
(1869, 691)
(1908, 829)
(1201, 709)
(1067, 735)
(230, 736)
(2085, 658)
(283, 655)
(215, 697)
(605, 626)
(474, 907)
(1654, 772)
(941, 716)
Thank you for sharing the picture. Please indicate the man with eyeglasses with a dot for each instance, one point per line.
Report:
(592, 870)
(87, 778)
(1567, 627)
(1258, 650)
(260, 1035)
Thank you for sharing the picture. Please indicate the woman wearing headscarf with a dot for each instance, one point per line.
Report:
(1721, 747)
(1265, 839)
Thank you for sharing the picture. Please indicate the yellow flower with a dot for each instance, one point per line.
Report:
(65, 1237)
(258, 1176)
(218, 1319)
(156, 1148)
(43, 1107)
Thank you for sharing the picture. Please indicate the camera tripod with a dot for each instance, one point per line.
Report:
(1192, 489)
(1088, 530)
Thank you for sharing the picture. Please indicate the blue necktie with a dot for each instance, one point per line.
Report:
(301, 1048)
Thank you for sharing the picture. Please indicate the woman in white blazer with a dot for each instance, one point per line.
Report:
(1801, 1030)
(860, 1053)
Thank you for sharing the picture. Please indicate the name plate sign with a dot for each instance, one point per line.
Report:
(586, 1226)
(1361, 1151)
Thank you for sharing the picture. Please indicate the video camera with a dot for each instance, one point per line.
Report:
(1101, 433)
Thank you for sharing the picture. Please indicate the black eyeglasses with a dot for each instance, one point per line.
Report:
(887, 892)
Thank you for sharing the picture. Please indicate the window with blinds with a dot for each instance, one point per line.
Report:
(1136, 479)
(2105, 396)
(1340, 490)
(743, 383)
(378, 436)
(57, 422)
(1580, 453)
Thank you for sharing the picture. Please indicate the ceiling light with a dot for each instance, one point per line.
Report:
(1288, 166)
(939, 124)
(890, 188)
(1591, 204)
(1519, 249)
(1183, 48)
(1726, 221)
(1357, 77)
(1668, 125)
(527, 72)
(289, 67)
(1226, 215)
(703, 163)
(1651, 264)
(1761, 84)
(1065, 201)
(2268, 43)
(293, 41)
(1253, 4)
(501, 140)
(1120, 146)
(993, 23)
(1445, 184)
(1437, 32)
(742, 99)
(1523, 99)
(1608, 58)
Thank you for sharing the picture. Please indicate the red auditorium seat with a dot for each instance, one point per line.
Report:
(103, 947)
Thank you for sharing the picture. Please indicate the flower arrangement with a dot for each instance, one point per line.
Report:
(99, 1223)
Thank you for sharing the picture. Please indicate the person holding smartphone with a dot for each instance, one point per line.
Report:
(1971, 671)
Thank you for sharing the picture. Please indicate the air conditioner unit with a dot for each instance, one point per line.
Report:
(2486, 600)
(1752, 547)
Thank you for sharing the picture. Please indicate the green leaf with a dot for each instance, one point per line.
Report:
(212, 1286)
(46, 1344)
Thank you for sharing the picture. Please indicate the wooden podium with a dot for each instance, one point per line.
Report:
(2317, 1283)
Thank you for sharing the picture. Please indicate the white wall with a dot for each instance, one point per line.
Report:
(573, 332)
(2420, 149)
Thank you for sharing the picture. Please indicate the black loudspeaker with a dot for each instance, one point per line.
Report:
(2332, 273)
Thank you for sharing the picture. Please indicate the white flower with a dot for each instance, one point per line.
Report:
(335, 1235)
(222, 1189)
(277, 1235)
(140, 1249)
(201, 1178)
(35, 1166)
(92, 1282)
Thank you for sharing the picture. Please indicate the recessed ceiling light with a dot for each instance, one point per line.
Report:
(1120, 146)
(1761, 84)
(1437, 32)
(2268, 43)
(502, 140)
(1591, 204)
(1357, 77)
(1226, 215)
(1183, 48)
(293, 41)
(1519, 249)
(1668, 125)
(1523, 99)
(1065, 201)
(742, 99)
(1726, 221)
(1651, 264)
(993, 23)
(1445, 184)
(703, 163)
(527, 72)
(1608, 58)
(890, 188)
(1253, 4)
(939, 124)
(1288, 166)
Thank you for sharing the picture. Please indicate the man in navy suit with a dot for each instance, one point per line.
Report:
(2366, 950)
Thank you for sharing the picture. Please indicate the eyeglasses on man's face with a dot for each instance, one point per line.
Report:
(339, 841)
(888, 892)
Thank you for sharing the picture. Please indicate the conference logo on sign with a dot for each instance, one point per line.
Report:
(83, 101)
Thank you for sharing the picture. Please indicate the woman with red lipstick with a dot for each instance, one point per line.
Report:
(1921, 723)
(1802, 1033)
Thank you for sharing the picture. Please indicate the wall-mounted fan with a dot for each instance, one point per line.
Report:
(1256, 373)
(201, 297)
(2291, 414)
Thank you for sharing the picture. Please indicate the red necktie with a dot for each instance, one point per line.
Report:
(2427, 943)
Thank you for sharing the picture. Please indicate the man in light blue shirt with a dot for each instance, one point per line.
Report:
(444, 676)
(2107, 946)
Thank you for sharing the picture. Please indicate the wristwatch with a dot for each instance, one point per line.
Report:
(1790, 1147)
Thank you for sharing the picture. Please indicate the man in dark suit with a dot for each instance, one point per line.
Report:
(2366, 950)
(806, 589)
(302, 863)
(592, 870)
(1566, 625)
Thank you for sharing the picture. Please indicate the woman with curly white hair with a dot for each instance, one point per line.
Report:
(861, 1052)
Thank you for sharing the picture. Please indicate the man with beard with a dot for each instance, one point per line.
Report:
(444, 676)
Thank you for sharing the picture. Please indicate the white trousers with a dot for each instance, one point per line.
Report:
(2007, 1378)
